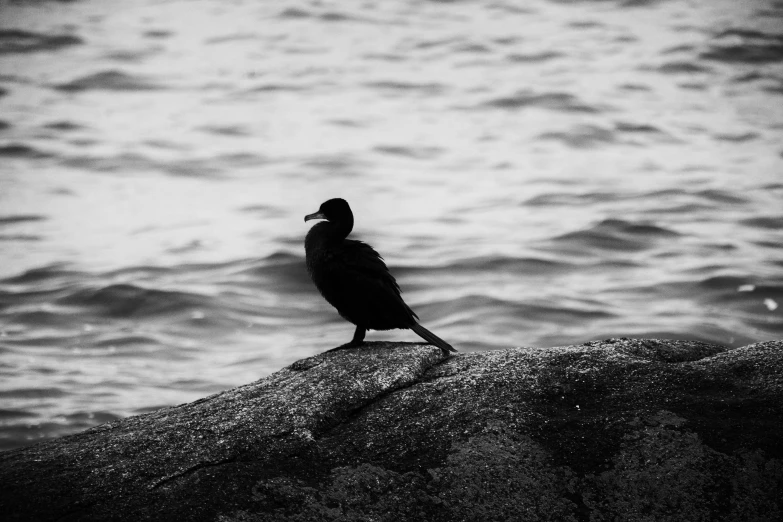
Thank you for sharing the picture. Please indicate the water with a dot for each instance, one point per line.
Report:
(537, 173)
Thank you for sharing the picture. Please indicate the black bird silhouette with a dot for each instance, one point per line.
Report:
(352, 276)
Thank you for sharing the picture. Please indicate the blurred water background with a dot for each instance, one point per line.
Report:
(535, 173)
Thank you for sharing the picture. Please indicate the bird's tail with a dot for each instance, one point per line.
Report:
(432, 338)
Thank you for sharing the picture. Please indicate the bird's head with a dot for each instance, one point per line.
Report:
(338, 215)
(335, 210)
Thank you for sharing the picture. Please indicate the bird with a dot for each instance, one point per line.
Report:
(354, 279)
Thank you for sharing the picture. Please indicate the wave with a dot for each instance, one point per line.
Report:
(543, 56)
(7, 414)
(112, 340)
(20, 150)
(745, 46)
(737, 138)
(128, 300)
(484, 307)
(721, 196)
(63, 125)
(21, 218)
(38, 275)
(210, 167)
(693, 249)
(767, 222)
(404, 87)
(616, 234)
(741, 284)
(556, 101)
(581, 136)
(683, 67)
(20, 237)
(226, 130)
(52, 306)
(296, 13)
(20, 41)
(111, 80)
(32, 393)
(565, 199)
(410, 152)
(282, 87)
(495, 264)
(28, 429)
(644, 128)
(281, 272)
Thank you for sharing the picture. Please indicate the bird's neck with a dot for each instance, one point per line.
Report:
(327, 232)
(339, 230)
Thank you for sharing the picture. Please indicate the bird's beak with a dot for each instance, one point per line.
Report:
(317, 215)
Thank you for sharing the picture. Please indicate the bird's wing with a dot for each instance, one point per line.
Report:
(363, 259)
(363, 269)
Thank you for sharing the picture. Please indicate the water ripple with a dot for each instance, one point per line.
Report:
(745, 46)
(612, 169)
(556, 101)
(20, 218)
(401, 86)
(617, 235)
(112, 80)
(21, 41)
(581, 136)
(127, 300)
(20, 150)
(542, 56)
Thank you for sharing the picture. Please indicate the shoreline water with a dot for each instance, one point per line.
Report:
(539, 177)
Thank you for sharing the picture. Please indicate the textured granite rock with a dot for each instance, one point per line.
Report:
(622, 429)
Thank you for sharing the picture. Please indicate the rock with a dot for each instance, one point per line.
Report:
(622, 429)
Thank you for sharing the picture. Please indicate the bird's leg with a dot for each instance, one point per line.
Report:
(358, 336)
(358, 339)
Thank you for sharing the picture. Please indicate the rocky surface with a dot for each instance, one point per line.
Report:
(622, 429)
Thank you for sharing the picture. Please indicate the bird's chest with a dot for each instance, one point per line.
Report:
(323, 265)
(320, 264)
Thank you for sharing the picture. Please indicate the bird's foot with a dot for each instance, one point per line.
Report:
(352, 344)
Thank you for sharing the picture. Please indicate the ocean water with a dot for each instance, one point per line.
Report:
(535, 173)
